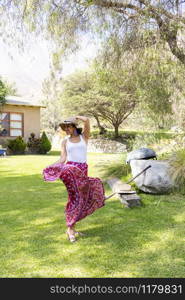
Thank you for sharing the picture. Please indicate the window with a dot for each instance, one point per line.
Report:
(4, 124)
(11, 124)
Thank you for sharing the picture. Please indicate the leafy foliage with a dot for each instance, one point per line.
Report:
(66, 21)
(160, 83)
(3, 93)
(45, 144)
(16, 146)
(38, 145)
(125, 27)
(33, 144)
(6, 88)
(53, 113)
(177, 169)
(108, 94)
(116, 170)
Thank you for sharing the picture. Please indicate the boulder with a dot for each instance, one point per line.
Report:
(155, 180)
(142, 153)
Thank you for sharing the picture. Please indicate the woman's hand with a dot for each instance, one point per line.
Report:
(82, 118)
(86, 131)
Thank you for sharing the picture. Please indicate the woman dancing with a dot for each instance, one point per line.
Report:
(85, 194)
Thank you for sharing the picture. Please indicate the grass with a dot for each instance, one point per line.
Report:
(146, 241)
(177, 169)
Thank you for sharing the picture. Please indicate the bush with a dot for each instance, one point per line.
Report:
(16, 146)
(45, 144)
(177, 169)
(123, 135)
(118, 169)
(33, 144)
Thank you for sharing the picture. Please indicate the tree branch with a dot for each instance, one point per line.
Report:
(25, 8)
(160, 10)
(149, 9)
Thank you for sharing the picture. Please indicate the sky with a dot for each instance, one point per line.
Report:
(28, 69)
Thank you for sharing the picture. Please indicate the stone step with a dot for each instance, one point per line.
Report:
(124, 193)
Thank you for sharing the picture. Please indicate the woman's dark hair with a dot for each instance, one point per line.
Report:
(79, 130)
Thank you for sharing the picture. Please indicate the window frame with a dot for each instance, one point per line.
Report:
(9, 121)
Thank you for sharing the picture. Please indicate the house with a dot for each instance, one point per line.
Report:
(19, 117)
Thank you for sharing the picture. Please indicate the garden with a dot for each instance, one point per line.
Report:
(119, 65)
(145, 241)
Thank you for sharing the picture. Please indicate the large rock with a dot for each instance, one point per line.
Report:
(142, 153)
(155, 180)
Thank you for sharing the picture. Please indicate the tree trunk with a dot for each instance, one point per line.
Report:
(169, 31)
(102, 130)
(116, 131)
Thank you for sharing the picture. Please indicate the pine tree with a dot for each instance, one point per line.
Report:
(45, 144)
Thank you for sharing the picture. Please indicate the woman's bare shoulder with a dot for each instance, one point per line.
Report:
(63, 143)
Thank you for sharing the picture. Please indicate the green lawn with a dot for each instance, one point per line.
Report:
(146, 241)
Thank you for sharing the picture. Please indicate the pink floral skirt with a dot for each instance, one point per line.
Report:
(85, 194)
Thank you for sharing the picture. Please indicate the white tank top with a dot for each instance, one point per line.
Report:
(76, 151)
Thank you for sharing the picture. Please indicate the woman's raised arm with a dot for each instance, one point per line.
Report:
(86, 131)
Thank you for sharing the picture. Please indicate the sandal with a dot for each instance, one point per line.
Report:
(71, 237)
(79, 233)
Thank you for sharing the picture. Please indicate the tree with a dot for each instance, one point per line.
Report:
(159, 77)
(178, 100)
(155, 85)
(106, 94)
(10, 88)
(66, 21)
(3, 93)
(167, 16)
(80, 97)
(119, 95)
(53, 113)
(6, 89)
(45, 145)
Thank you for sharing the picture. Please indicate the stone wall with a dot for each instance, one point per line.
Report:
(105, 146)
(94, 145)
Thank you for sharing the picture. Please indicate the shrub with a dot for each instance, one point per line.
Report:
(16, 146)
(45, 144)
(177, 169)
(33, 144)
(118, 169)
(109, 134)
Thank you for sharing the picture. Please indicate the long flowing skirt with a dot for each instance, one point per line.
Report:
(85, 194)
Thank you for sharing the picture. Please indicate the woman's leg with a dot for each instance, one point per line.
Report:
(85, 194)
(71, 234)
(84, 168)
